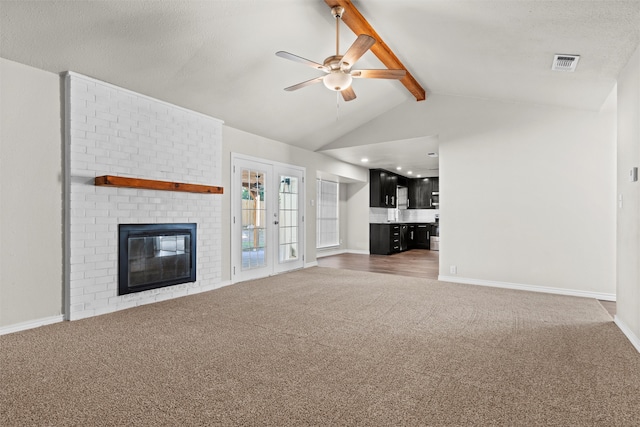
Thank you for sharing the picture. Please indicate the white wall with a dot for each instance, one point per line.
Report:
(628, 230)
(30, 195)
(527, 192)
(236, 141)
(532, 202)
(357, 233)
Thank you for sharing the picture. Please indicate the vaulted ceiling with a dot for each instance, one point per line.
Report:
(218, 57)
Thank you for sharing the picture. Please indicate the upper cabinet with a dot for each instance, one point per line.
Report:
(435, 192)
(382, 188)
(424, 193)
(435, 184)
(419, 193)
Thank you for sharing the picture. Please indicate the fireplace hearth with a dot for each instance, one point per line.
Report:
(153, 256)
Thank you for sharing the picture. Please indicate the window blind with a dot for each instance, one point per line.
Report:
(327, 230)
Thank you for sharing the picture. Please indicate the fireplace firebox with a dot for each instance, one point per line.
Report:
(153, 256)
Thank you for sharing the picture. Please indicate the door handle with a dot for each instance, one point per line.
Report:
(276, 222)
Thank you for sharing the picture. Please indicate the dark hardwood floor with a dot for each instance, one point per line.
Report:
(415, 263)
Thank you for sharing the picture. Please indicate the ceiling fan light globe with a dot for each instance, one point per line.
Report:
(337, 81)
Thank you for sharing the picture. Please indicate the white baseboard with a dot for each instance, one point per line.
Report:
(353, 251)
(340, 252)
(311, 264)
(626, 330)
(30, 324)
(531, 288)
(321, 254)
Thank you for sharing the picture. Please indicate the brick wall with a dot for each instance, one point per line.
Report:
(113, 131)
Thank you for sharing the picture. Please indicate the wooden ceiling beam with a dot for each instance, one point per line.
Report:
(359, 25)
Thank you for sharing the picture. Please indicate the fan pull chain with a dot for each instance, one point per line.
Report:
(337, 53)
(337, 35)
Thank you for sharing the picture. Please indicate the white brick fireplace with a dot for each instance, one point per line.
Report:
(113, 131)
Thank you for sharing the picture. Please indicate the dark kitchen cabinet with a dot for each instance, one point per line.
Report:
(377, 188)
(421, 193)
(392, 190)
(404, 237)
(411, 232)
(435, 192)
(384, 239)
(421, 236)
(435, 184)
(382, 188)
(413, 194)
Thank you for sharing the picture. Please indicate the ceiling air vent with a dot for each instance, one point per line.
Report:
(565, 62)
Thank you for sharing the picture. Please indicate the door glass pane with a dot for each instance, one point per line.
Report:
(253, 219)
(288, 218)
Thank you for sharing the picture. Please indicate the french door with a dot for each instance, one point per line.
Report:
(267, 218)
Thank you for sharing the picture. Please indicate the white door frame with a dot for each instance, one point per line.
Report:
(272, 265)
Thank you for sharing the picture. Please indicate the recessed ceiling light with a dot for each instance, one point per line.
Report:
(409, 172)
(432, 154)
(419, 176)
(364, 160)
(398, 168)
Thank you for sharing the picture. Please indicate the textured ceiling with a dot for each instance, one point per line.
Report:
(218, 57)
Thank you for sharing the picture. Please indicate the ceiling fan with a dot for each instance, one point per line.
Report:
(338, 67)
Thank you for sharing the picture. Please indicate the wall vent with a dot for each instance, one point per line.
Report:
(565, 62)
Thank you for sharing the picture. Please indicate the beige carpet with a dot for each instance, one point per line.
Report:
(328, 347)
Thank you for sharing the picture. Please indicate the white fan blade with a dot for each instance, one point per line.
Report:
(357, 49)
(304, 84)
(301, 60)
(378, 74)
(348, 94)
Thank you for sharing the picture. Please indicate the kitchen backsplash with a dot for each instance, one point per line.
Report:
(384, 215)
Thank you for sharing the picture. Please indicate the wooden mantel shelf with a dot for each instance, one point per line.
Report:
(150, 184)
